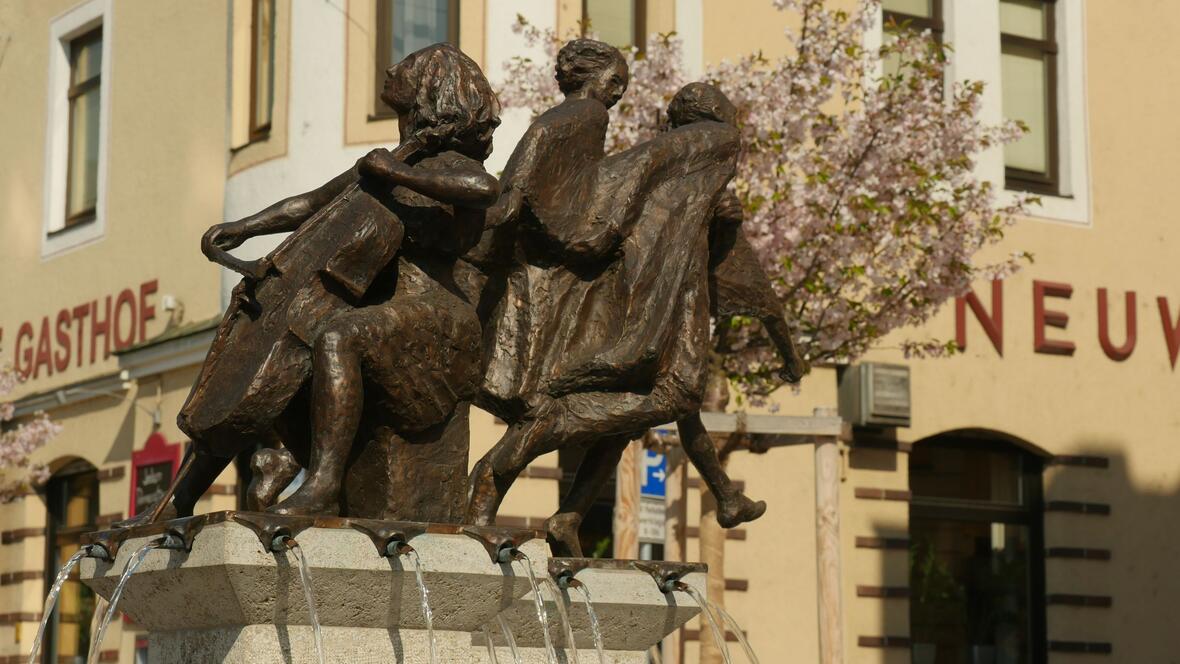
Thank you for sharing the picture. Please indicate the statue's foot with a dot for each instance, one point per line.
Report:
(273, 471)
(562, 536)
(739, 509)
(309, 500)
(145, 518)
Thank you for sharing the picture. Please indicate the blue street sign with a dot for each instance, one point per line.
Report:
(655, 471)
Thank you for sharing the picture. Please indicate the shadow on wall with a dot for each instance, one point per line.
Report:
(1013, 557)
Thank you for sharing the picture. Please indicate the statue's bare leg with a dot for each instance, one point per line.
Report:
(574, 419)
(733, 507)
(337, 394)
(593, 473)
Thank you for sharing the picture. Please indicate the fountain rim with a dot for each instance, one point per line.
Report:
(266, 526)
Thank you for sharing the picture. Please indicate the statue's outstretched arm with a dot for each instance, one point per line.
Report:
(454, 186)
(282, 217)
(740, 286)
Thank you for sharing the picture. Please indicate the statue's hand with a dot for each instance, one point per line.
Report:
(223, 237)
(381, 163)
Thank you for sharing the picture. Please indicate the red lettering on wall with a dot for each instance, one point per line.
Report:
(80, 313)
(1171, 330)
(125, 300)
(1043, 317)
(146, 311)
(24, 364)
(102, 328)
(993, 325)
(61, 359)
(1116, 353)
(44, 351)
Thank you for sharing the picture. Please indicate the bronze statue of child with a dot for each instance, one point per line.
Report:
(358, 304)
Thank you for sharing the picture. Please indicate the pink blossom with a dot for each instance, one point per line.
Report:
(18, 441)
(859, 186)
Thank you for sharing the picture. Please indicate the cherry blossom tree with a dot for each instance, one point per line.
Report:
(857, 176)
(18, 441)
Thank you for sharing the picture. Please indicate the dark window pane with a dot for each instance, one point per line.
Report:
(416, 24)
(1025, 91)
(262, 75)
(72, 502)
(1023, 18)
(613, 21)
(967, 473)
(969, 584)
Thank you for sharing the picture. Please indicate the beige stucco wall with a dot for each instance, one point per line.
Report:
(165, 162)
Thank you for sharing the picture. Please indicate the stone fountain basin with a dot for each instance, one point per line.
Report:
(228, 580)
(633, 612)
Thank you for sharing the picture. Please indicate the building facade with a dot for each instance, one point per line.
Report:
(1021, 516)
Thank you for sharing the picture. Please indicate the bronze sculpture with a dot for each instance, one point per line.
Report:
(357, 312)
(587, 284)
(602, 330)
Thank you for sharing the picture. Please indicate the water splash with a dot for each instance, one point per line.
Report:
(506, 629)
(313, 616)
(51, 599)
(542, 614)
(133, 562)
(595, 628)
(487, 639)
(559, 599)
(427, 615)
(737, 630)
(718, 637)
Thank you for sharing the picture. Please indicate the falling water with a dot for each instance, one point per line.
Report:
(487, 639)
(507, 630)
(426, 613)
(594, 626)
(51, 600)
(133, 562)
(542, 615)
(718, 637)
(736, 629)
(563, 614)
(305, 576)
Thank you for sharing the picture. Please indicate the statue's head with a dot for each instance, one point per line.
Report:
(700, 102)
(593, 69)
(442, 98)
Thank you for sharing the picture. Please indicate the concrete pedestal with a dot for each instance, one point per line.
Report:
(230, 600)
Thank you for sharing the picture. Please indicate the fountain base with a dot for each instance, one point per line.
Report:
(235, 595)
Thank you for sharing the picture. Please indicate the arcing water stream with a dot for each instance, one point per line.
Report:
(133, 562)
(51, 599)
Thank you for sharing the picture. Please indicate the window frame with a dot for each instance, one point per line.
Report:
(259, 132)
(1017, 179)
(1029, 514)
(383, 53)
(56, 237)
(73, 92)
(935, 23)
(638, 19)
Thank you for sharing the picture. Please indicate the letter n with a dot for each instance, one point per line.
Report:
(993, 325)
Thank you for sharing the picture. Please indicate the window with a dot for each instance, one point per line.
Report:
(404, 26)
(262, 67)
(977, 567)
(919, 15)
(85, 95)
(1029, 87)
(71, 500)
(617, 22)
